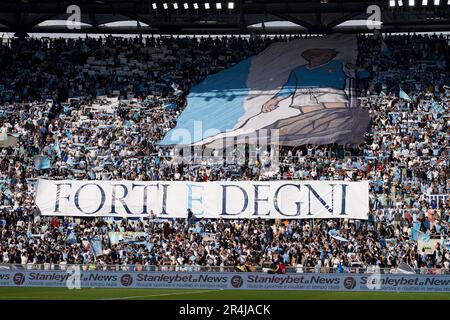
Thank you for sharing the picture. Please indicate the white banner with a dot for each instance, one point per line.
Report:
(221, 199)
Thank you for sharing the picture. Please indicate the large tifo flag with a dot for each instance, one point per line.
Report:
(302, 89)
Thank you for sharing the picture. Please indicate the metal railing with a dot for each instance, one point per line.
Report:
(192, 268)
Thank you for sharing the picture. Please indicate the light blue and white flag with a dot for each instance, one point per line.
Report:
(425, 236)
(71, 238)
(57, 149)
(437, 109)
(7, 140)
(69, 161)
(40, 55)
(7, 193)
(363, 74)
(96, 246)
(415, 231)
(84, 48)
(405, 268)
(170, 106)
(126, 237)
(304, 89)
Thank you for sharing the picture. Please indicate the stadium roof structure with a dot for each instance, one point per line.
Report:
(222, 16)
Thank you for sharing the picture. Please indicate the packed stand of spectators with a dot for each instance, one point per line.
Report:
(94, 136)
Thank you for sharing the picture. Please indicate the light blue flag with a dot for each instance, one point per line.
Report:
(7, 192)
(437, 109)
(402, 94)
(426, 236)
(96, 245)
(270, 92)
(385, 49)
(114, 237)
(71, 238)
(333, 233)
(69, 161)
(363, 74)
(127, 124)
(106, 126)
(170, 106)
(84, 48)
(41, 163)
(57, 149)
(40, 55)
(415, 231)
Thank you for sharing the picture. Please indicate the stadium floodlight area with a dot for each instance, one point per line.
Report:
(411, 3)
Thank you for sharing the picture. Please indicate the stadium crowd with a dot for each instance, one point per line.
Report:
(405, 156)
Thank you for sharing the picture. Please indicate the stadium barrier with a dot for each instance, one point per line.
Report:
(77, 279)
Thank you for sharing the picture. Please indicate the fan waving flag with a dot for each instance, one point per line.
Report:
(302, 89)
(335, 235)
(42, 163)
